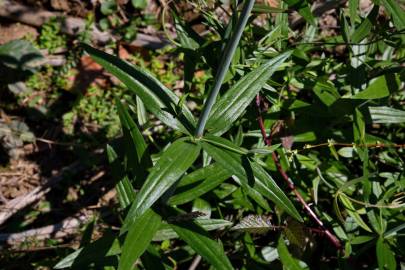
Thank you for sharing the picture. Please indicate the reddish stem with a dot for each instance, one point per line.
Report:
(267, 141)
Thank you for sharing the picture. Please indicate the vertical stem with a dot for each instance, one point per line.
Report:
(223, 66)
(267, 140)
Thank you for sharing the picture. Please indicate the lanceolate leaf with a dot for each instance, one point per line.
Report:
(212, 181)
(98, 252)
(386, 115)
(303, 9)
(199, 175)
(225, 144)
(365, 27)
(232, 105)
(199, 240)
(125, 190)
(173, 163)
(268, 188)
(262, 182)
(166, 232)
(138, 158)
(286, 258)
(139, 236)
(385, 256)
(397, 14)
(157, 98)
(353, 213)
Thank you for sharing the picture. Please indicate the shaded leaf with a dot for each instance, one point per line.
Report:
(139, 236)
(125, 190)
(199, 240)
(366, 25)
(168, 169)
(212, 181)
(166, 232)
(378, 89)
(286, 258)
(353, 212)
(239, 165)
(99, 253)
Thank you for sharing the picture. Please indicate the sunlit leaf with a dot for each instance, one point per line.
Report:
(234, 102)
(157, 98)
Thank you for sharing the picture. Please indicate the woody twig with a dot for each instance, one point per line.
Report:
(268, 140)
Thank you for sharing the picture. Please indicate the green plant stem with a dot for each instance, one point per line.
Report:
(223, 66)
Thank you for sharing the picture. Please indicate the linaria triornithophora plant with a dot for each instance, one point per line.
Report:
(202, 159)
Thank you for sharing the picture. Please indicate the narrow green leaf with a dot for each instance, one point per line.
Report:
(268, 188)
(239, 165)
(261, 8)
(199, 240)
(366, 25)
(139, 236)
(225, 144)
(266, 150)
(211, 182)
(185, 34)
(286, 258)
(359, 127)
(353, 7)
(303, 8)
(385, 256)
(125, 190)
(394, 231)
(234, 102)
(199, 175)
(141, 114)
(99, 252)
(173, 163)
(227, 56)
(353, 212)
(138, 158)
(166, 232)
(157, 98)
(397, 13)
(386, 115)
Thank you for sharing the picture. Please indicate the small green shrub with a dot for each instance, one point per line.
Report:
(298, 149)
